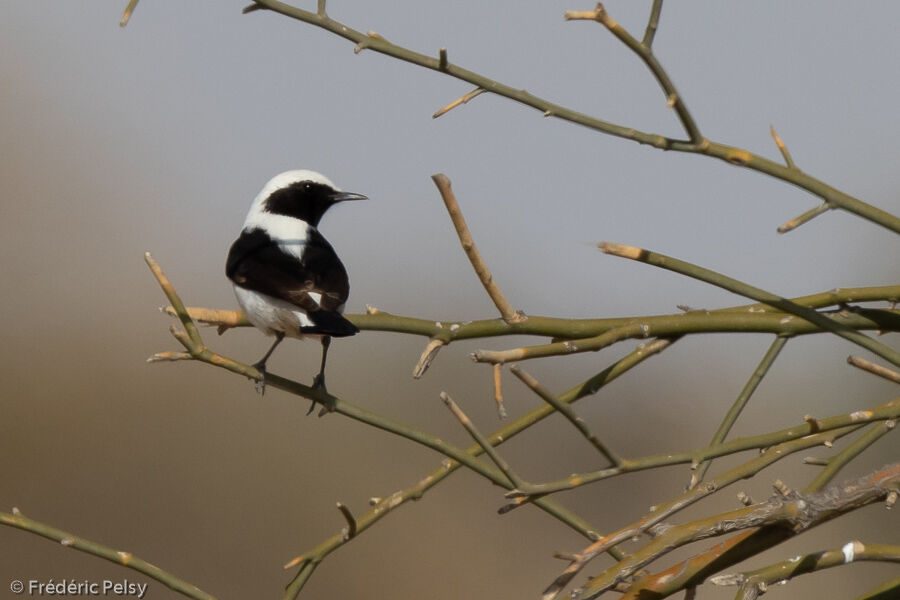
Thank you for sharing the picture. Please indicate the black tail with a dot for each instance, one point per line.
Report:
(329, 323)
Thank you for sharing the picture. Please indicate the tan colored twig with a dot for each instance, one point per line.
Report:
(127, 14)
(805, 217)
(428, 355)
(871, 367)
(498, 390)
(461, 100)
(223, 320)
(465, 238)
(782, 148)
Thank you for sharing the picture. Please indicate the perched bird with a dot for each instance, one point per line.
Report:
(287, 278)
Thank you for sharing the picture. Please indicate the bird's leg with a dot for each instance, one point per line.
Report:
(260, 365)
(319, 381)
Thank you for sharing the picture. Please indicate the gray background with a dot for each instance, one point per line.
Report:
(156, 137)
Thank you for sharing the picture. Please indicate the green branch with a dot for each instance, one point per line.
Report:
(732, 155)
(738, 287)
(753, 583)
(125, 559)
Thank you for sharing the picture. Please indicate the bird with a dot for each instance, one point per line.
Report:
(287, 278)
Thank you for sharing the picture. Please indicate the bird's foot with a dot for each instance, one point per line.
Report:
(261, 380)
(319, 384)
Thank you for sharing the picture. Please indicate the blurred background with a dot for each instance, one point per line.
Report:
(156, 137)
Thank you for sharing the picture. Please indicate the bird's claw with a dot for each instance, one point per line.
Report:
(261, 380)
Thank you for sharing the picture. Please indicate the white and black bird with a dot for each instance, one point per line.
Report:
(287, 278)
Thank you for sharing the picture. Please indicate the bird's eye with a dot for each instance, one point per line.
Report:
(307, 186)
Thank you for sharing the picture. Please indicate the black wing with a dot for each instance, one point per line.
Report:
(257, 262)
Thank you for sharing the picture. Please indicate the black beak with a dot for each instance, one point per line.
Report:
(342, 196)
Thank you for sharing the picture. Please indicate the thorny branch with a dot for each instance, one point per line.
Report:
(731, 154)
(793, 514)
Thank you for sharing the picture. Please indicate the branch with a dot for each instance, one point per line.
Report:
(871, 367)
(730, 154)
(698, 322)
(664, 511)
(120, 557)
(465, 238)
(740, 402)
(752, 317)
(730, 552)
(652, 24)
(886, 412)
(643, 51)
(738, 287)
(566, 411)
(753, 583)
(793, 514)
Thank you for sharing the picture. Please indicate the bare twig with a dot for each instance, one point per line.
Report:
(120, 557)
(782, 148)
(740, 402)
(804, 218)
(126, 16)
(461, 100)
(644, 52)
(427, 357)
(738, 287)
(652, 24)
(481, 440)
(498, 391)
(566, 410)
(753, 582)
(465, 238)
(871, 367)
(350, 531)
(885, 413)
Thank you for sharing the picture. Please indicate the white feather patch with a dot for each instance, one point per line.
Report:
(271, 315)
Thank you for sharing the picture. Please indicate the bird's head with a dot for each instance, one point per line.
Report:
(300, 194)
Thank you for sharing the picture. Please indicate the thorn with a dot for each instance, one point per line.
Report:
(442, 59)
(781, 488)
(498, 390)
(127, 14)
(427, 357)
(782, 148)
(350, 530)
(813, 423)
(462, 100)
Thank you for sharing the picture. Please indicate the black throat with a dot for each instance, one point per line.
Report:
(306, 200)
